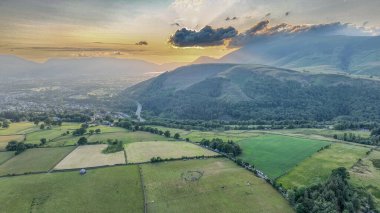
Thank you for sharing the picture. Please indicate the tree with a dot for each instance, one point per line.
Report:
(176, 136)
(91, 131)
(167, 133)
(42, 126)
(82, 141)
(43, 141)
(97, 131)
(5, 124)
(36, 122)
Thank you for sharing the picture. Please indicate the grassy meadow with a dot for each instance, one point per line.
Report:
(144, 151)
(4, 156)
(319, 166)
(211, 185)
(113, 189)
(275, 154)
(34, 160)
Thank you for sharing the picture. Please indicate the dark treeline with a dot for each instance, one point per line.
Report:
(334, 195)
(219, 145)
(66, 116)
(19, 147)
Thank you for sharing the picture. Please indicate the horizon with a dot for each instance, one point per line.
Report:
(150, 30)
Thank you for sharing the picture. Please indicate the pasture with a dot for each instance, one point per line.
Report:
(211, 185)
(17, 128)
(34, 160)
(90, 156)
(144, 151)
(113, 189)
(366, 174)
(4, 156)
(276, 154)
(318, 167)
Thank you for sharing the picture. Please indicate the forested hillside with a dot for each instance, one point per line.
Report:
(242, 92)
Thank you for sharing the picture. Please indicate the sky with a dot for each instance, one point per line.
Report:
(146, 29)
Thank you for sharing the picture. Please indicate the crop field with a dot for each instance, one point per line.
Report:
(144, 151)
(34, 160)
(211, 185)
(276, 154)
(326, 132)
(4, 156)
(90, 156)
(108, 129)
(366, 174)
(319, 166)
(4, 139)
(113, 189)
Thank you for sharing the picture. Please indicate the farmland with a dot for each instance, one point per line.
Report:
(276, 154)
(126, 137)
(34, 160)
(144, 151)
(318, 167)
(114, 189)
(212, 185)
(90, 156)
(4, 139)
(4, 156)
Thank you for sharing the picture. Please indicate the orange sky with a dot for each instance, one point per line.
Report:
(43, 29)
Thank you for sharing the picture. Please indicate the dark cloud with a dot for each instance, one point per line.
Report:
(287, 13)
(231, 19)
(267, 15)
(365, 23)
(176, 24)
(142, 43)
(207, 36)
(75, 49)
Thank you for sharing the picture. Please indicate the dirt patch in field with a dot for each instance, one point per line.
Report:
(192, 176)
(90, 156)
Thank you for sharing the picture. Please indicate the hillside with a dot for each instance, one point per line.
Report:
(351, 54)
(230, 91)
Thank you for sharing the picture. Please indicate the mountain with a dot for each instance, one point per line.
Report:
(349, 54)
(15, 68)
(242, 92)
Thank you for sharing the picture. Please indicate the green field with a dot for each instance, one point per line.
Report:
(4, 139)
(144, 151)
(34, 160)
(127, 137)
(113, 189)
(197, 136)
(366, 174)
(212, 185)
(17, 128)
(318, 167)
(275, 154)
(4, 156)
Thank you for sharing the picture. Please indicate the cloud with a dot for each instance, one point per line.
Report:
(207, 36)
(287, 13)
(231, 19)
(176, 24)
(263, 30)
(142, 43)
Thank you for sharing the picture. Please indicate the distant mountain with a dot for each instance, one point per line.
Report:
(15, 68)
(349, 54)
(241, 92)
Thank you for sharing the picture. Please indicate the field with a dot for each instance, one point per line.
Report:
(113, 189)
(212, 185)
(366, 174)
(127, 137)
(17, 128)
(4, 139)
(90, 156)
(4, 156)
(318, 167)
(144, 151)
(34, 160)
(276, 154)
(196, 136)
